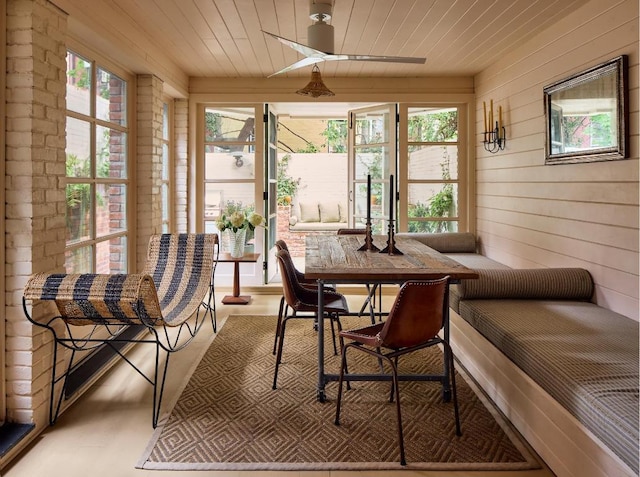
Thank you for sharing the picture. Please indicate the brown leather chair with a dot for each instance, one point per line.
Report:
(305, 282)
(300, 299)
(414, 322)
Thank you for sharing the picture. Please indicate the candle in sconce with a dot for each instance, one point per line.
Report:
(391, 200)
(369, 198)
(500, 117)
(491, 113)
(484, 115)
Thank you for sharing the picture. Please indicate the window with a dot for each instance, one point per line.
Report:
(165, 189)
(96, 168)
(432, 170)
(229, 163)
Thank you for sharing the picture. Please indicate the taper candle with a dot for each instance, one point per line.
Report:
(369, 198)
(491, 114)
(500, 117)
(484, 115)
(391, 199)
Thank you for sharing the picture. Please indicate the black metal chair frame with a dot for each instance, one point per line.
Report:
(70, 332)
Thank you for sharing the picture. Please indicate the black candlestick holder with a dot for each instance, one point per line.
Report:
(368, 245)
(391, 242)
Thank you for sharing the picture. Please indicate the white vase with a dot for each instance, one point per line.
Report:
(236, 241)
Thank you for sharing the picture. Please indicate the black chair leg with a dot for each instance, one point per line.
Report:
(454, 391)
(283, 325)
(278, 323)
(333, 336)
(343, 362)
(394, 370)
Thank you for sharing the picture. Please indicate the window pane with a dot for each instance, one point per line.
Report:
(433, 226)
(78, 84)
(234, 124)
(111, 256)
(433, 162)
(372, 160)
(433, 125)
(111, 98)
(111, 216)
(371, 129)
(165, 162)
(78, 148)
(165, 121)
(165, 202)
(78, 212)
(225, 163)
(433, 200)
(79, 260)
(111, 149)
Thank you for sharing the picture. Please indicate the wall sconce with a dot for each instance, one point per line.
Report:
(238, 157)
(494, 138)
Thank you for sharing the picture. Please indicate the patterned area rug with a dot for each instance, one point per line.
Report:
(229, 418)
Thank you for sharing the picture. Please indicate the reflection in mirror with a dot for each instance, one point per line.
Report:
(585, 115)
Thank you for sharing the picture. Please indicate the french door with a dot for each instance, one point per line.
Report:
(232, 165)
(271, 189)
(372, 148)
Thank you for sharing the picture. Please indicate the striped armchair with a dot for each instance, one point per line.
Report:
(170, 300)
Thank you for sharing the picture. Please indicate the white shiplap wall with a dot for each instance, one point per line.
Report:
(582, 215)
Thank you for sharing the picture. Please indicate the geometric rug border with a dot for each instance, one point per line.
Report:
(532, 462)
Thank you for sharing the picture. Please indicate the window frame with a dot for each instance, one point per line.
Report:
(463, 207)
(93, 241)
(168, 223)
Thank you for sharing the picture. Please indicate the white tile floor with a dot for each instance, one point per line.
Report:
(105, 432)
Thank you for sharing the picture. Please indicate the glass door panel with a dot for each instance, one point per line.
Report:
(271, 187)
(372, 152)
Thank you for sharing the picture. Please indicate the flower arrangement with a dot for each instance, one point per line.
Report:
(235, 217)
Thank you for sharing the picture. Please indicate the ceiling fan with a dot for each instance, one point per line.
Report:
(320, 48)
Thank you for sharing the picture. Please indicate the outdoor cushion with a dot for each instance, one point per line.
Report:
(329, 212)
(309, 212)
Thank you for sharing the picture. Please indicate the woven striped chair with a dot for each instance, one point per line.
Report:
(166, 302)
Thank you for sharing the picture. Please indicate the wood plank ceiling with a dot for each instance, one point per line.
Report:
(223, 38)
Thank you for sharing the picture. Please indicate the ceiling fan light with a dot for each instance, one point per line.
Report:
(315, 88)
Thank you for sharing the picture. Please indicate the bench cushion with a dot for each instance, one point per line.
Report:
(585, 356)
(453, 242)
(532, 283)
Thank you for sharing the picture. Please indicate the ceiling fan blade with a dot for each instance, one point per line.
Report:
(299, 47)
(298, 64)
(388, 59)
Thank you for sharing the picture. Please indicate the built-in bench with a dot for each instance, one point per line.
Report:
(564, 370)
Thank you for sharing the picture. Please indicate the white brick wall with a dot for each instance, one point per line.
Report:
(181, 130)
(148, 162)
(35, 197)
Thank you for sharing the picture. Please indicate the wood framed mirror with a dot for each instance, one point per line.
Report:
(585, 115)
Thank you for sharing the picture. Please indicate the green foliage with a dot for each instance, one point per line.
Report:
(434, 127)
(441, 204)
(336, 135)
(287, 185)
(81, 75)
(212, 126)
(310, 148)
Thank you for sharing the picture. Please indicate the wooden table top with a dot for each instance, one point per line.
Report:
(247, 257)
(336, 257)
